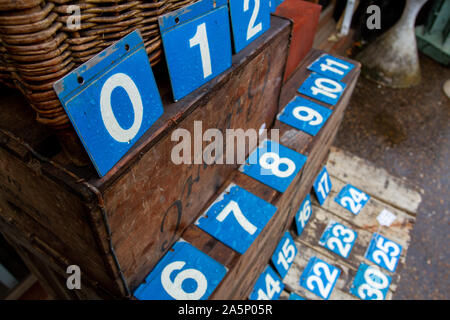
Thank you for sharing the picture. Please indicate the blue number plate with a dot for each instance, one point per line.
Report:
(303, 214)
(370, 283)
(305, 115)
(352, 199)
(197, 44)
(268, 286)
(319, 277)
(111, 100)
(384, 252)
(274, 165)
(284, 254)
(249, 20)
(331, 67)
(294, 296)
(322, 88)
(338, 239)
(184, 273)
(236, 218)
(322, 186)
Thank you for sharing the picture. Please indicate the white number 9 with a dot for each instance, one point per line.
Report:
(314, 117)
(175, 290)
(274, 165)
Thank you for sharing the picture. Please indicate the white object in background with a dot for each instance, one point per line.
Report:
(349, 10)
(385, 218)
(6, 278)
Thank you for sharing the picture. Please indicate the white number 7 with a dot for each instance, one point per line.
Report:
(324, 188)
(233, 206)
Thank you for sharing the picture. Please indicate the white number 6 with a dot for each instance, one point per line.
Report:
(175, 290)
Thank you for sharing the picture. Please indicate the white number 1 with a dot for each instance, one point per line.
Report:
(324, 188)
(201, 39)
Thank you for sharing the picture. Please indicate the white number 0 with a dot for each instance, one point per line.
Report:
(109, 120)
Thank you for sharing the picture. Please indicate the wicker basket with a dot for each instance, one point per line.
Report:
(37, 47)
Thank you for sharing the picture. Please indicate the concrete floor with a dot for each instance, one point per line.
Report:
(408, 133)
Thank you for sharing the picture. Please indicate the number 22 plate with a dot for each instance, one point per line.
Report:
(184, 273)
(319, 277)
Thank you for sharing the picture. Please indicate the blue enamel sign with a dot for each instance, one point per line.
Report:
(331, 67)
(319, 277)
(294, 296)
(352, 199)
(184, 273)
(384, 252)
(370, 283)
(197, 44)
(284, 254)
(274, 165)
(249, 20)
(322, 186)
(338, 239)
(305, 115)
(111, 100)
(303, 214)
(268, 286)
(322, 88)
(236, 218)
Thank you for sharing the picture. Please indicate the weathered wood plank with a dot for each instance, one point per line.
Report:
(374, 180)
(365, 224)
(367, 219)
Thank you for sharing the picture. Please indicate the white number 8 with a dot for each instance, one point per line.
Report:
(175, 290)
(314, 117)
(274, 165)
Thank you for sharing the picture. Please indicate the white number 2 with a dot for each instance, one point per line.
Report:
(233, 207)
(354, 201)
(174, 288)
(252, 30)
(316, 279)
(345, 245)
(201, 39)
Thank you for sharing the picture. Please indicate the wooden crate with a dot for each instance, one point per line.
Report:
(117, 228)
